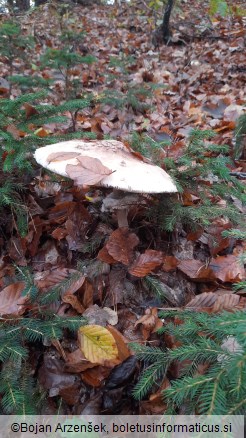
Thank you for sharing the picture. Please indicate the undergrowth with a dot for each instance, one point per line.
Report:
(203, 170)
(21, 334)
(210, 350)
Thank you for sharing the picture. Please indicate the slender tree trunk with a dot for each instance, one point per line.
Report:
(22, 5)
(166, 33)
(40, 2)
(10, 4)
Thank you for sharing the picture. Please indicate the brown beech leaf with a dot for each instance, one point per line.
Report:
(149, 322)
(121, 342)
(170, 263)
(34, 234)
(60, 212)
(16, 133)
(52, 377)
(76, 284)
(74, 302)
(146, 262)
(85, 294)
(41, 132)
(206, 299)
(212, 302)
(227, 268)
(216, 242)
(76, 362)
(61, 156)
(104, 256)
(226, 302)
(95, 376)
(89, 171)
(4, 86)
(46, 279)
(59, 233)
(196, 270)
(30, 110)
(121, 244)
(17, 250)
(52, 277)
(11, 301)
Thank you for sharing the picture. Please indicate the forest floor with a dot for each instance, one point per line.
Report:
(74, 250)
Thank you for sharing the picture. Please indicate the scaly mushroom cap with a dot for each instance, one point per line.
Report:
(128, 172)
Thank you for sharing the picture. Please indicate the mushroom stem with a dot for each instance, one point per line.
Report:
(121, 215)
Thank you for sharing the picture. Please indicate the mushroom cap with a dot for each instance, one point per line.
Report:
(129, 173)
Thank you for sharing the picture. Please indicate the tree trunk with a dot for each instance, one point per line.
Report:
(166, 33)
(40, 2)
(23, 5)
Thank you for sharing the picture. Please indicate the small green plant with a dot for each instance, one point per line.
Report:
(30, 83)
(212, 357)
(20, 122)
(13, 43)
(204, 171)
(68, 63)
(121, 64)
(133, 97)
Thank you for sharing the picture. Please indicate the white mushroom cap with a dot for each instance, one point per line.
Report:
(129, 173)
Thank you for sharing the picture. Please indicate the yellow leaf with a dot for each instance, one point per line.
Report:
(41, 132)
(97, 344)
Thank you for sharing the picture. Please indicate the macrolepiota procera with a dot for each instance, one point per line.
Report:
(107, 163)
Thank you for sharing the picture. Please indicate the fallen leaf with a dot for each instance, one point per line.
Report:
(121, 342)
(170, 263)
(227, 268)
(77, 363)
(74, 302)
(95, 376)
(53, 378)
(104, 256)
(11, 301)
(4, 86)
(101, 316)
(97, 344)
(121, 244)
(226, 302)
(41, 132)
(146, 262)
(206, 299)
(196, 270)
(212, 302)
(89, 171)
(149, 322)
(30, 109)
(61, 156)
(122, 373)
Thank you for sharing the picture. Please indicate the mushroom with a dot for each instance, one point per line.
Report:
(106, 163)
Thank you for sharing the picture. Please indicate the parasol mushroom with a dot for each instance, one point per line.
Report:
(106, 163)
